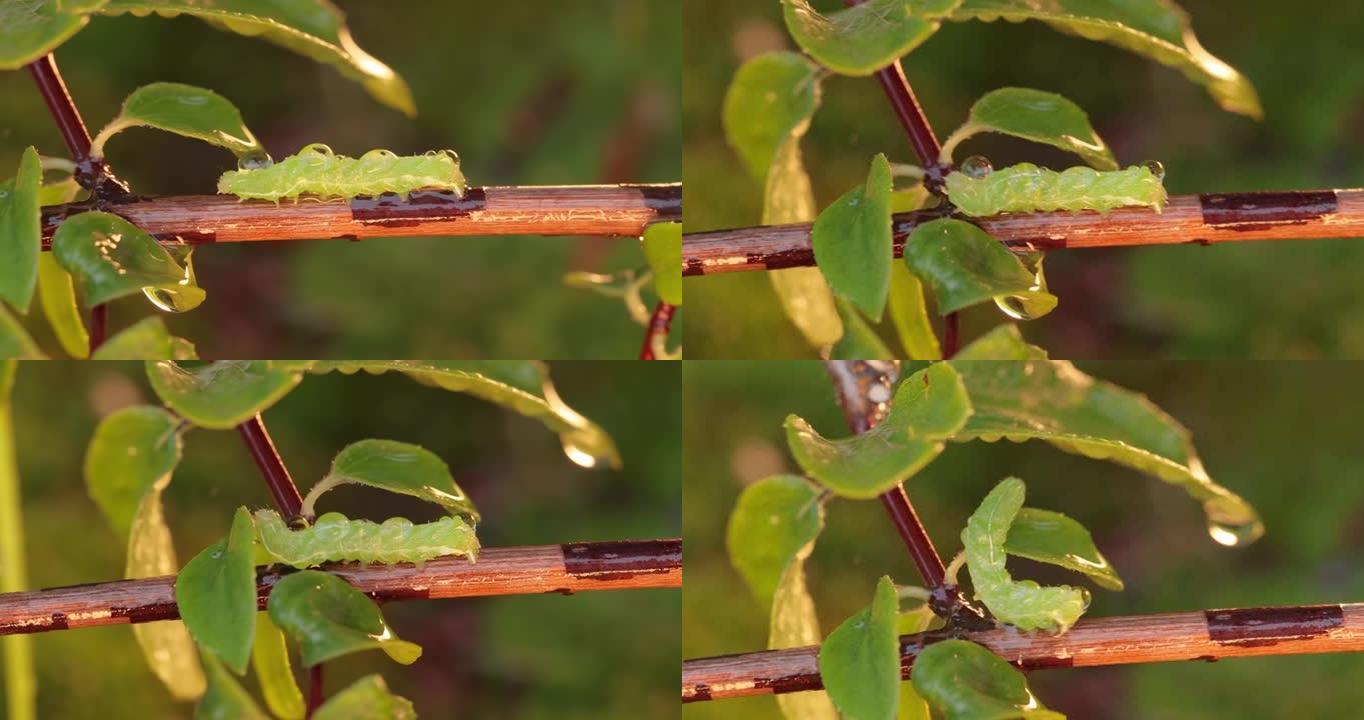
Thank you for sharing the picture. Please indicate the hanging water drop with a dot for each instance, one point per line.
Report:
(1156, 168)
(1014, 306)
(976, 167)
(1235, 535)
(255, 160)
(579, 455)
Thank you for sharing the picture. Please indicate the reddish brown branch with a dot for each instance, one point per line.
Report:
(1208, 635)
(567, 569)
(552, 210)
(660, 324)
(271, 466)
(1201, 219)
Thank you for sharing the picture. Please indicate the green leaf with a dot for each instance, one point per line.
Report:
(520, 385)
(132, 451)
(110, 257)
(851, 240)
(314, 28)
(928, 408)
(30, 30)
(772, 521)
(1038, 116)
(859, 341)
(223, 394)
(57, 294)
(397, 467)
(964, 681)
(146, 339)
(860, 660)
(772, 97)
(328, 618)
(965, 267)
(663, 248)
(1051, 400)
(909, 313)
(805, 295)
(184, 110)
(226, 699)
(15, 341)
(216, 594)
(1157, 29)
(793, 624)
(1021, 603)
(1003, 342)
(369, 699)
(21, 682)
(1051, 537)
(864, 38)
(20, 232)
(911, 622)
(270, 659)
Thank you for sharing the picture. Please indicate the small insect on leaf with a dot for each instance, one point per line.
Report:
(1028, 188)
(318, 171)
(335, 538)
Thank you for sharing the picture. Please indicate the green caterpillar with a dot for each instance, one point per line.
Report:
(1021, 603)
(316, 170)
(335, 538)
(1028, 188)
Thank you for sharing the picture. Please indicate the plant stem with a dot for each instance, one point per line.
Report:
(1186, 219)
(613, 210)
(656, 334)
(529, 570)
(315, 696)
(1205, 635)
(951, 335)
(271, 466)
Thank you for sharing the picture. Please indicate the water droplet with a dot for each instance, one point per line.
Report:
(1156, 168)
(1231, 535)
(976, 167)
(579, 455)
(255, 160)
(1231, 522)
(1014, 306)
(164, 300)
(852, 201)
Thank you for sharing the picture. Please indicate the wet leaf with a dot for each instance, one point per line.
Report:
(328, 618)
(864, 38)
(860, 660)
(928, 408)
(851, 240)
(15, 341)
(519, 385)
(184, 110)
(146, 339)
(57, 295)
(20, 232)
(1156, 29)
(663, 248)
(216, 594)
(270, 659)
(1038, 116)
(397, 467)
(964, 681)
(772, 97)
(109, 257)
(773, 520)
(793, 623)
(911, 622)
(909, 313)
(1021, 603)
(313, 28)
(1050, 537)
(1051, 400)
(964, 266)
(30, 30)
(1003, 342)
(805, 295)
(368, 698)
(131, 452)
(859, 341)
(226, 699)
(223, 394)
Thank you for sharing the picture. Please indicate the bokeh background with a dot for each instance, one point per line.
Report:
(590, 655)
(1283, 435)
(1268, 299)
(528, 93)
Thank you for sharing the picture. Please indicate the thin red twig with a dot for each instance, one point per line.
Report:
(315, 691)
(660, 324)
(276, 475)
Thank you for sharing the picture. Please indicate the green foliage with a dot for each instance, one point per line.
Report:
(793, 623)
(131, 451)
(663, 248)
(20, 234)
(860, 660)
(928, 408)
(1021, 603)
(15, 341)
(772, 522)
(30, 30)
(771, 98)
(328, 619)
(110, 257)
(368, 698)
(964, 266)
(21, 683)
(184, 110)
(909, 313)
(912, 622)
(57, 295)
(1027, 188)
(223, 394)
(396, 467)
(216, 594)
(270, 660)
(1038, 116)
(1050, 537)
(965, 681)
(334, 537)
(859, 341)
(225, 699)
(146, 339)
(864, 38)
(851, 240)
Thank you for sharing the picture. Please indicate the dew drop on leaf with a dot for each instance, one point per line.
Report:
(1234, 535)
(1156, 168)
(164, 300)
(976, 167)
(1014, 307)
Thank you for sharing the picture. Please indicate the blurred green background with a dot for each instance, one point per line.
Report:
(1268, 299)
(1283, 435)
(590, 655)
(528, 93)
